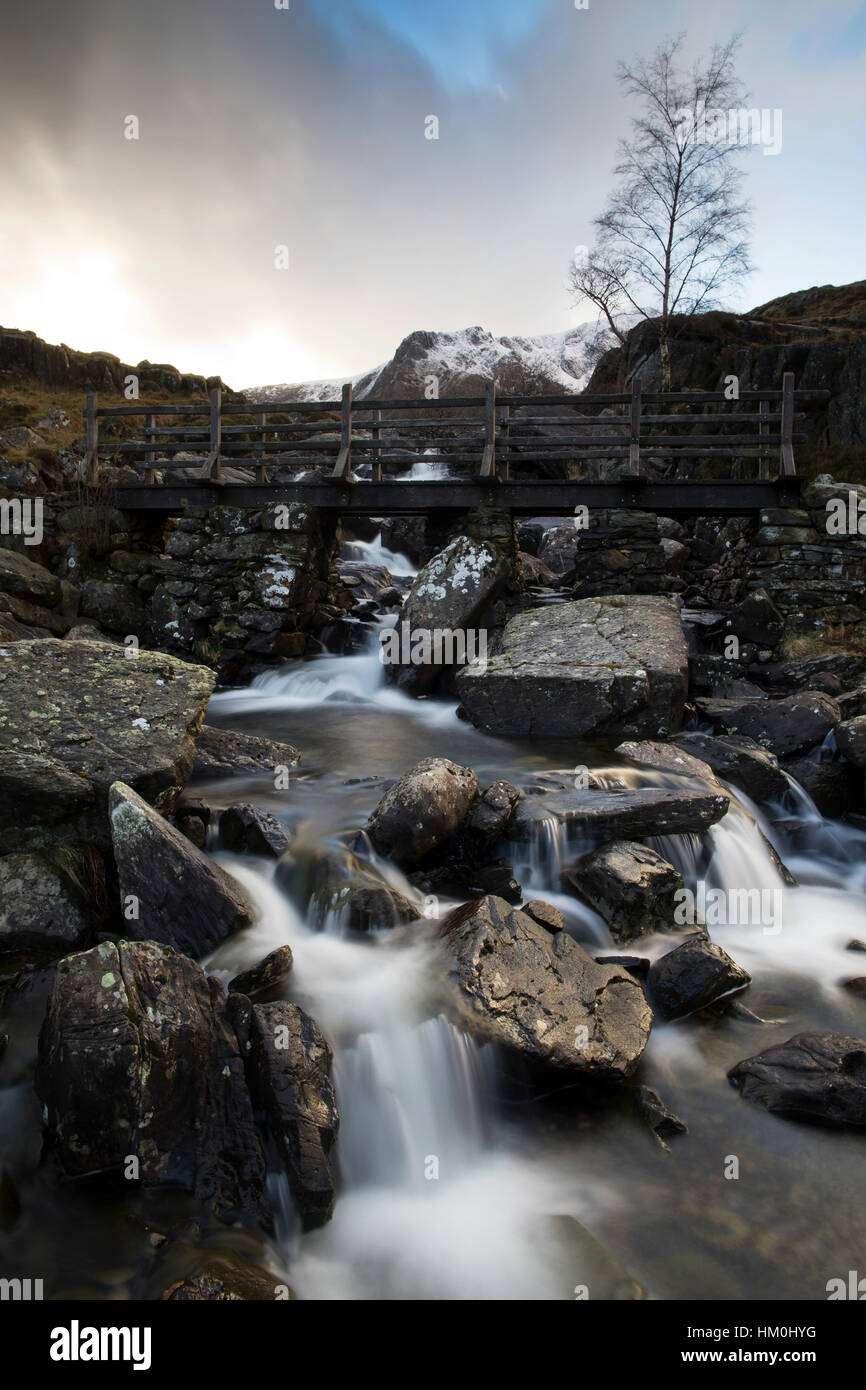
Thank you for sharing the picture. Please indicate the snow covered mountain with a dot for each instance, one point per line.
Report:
(461, 364)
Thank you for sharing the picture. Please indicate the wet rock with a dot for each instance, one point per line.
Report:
(606, 668)
(857, 986)
(449, 595)
(819, 1077)
(635, 965)
(583, 1268)
(76, 717)
(801, 673)
(535, 572)
(851, 740)
(630, 886)
(691, 976)
(787, 726)
(739, 760)
(228, 1278)
(182, 898)
(137, 1059)
(666, 757)
(24, 579)
(422, 809)
(244, 829)
(290, 1066)
(835, 787)
(267, 973)
(538, 993)
(488, 820)
(357, 894)
(615, 814)
(223, 753)
(545, 914)
(653, 1109)
(38, 909)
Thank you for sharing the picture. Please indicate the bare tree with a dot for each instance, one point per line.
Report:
(674, 231)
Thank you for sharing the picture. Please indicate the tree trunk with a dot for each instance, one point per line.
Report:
(665, 355)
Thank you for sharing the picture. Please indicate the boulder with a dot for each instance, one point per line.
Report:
(851, 740)
(76, 717)
(666, 757)
(223, 753)
(630, 886)
(38, 909)
(835, 787)
(422, 809)
(290, 1075)
(267, 973)
(24, 579)
(819, 1077)
(246, 830)
(488, 820)
(758, 620)
(691, 976)
(604, 668)
(138, 1060)
(787, 726)
(115, 606)
(354, 891)
(741, 761)
(539, 994)
(226, 1278)
(619, 814)
(544, 914)
(449, 595)
(181, 897)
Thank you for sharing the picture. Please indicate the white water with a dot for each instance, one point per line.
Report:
(432, 1204)
(375, 552)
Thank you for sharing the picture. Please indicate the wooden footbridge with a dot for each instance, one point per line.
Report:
(524, 454)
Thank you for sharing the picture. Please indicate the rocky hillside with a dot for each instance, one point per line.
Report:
(462, 363)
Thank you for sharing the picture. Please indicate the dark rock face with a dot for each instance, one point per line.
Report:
(619, 815)
(851, 740)
(422, 809)
(693, 975)
(538, 993)
(115, 606)
(449, 595)
(290, 1065)
(757, 619)
(137, 1059)
(37, 909)
(488, 820)
(631, 886)
(184, 899)
(661, 1120)
(76, 717)
(606, 668)
(23, 579)
(269, 971)
(245, 829)
(223, 753)
(835, 787)
(739, 760)
(813, 1076)
(787, 726)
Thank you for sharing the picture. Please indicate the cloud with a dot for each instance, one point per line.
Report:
(306, 128)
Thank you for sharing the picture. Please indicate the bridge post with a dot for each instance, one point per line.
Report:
(261, 420)
(341, 468)
(377, 439)
(634, 439)
(216, 398)
(786, 456)
(91, 458)
(148, 444)
(488, 460)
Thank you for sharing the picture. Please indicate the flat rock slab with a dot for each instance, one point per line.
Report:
(631, 813)
(226, 753)
(786, 727)
(739, 760)
(813, 1076)
(607, 668)
(541, 995)
(180, 896)
(76, 717)
(137, 1058)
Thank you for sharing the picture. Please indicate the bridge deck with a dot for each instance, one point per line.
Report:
(536, 498)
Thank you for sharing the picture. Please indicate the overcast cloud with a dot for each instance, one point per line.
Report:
(306, 128)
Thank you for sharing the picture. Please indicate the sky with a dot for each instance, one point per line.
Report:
(282, 215)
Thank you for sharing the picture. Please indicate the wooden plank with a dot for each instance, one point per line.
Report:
(148, 436)
(377, 444)
(788, 467)
(488, 457)
(763, 429)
